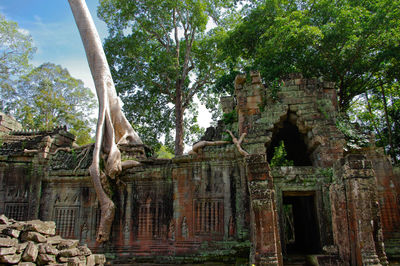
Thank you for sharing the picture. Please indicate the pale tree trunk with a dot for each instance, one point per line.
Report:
(112, 126)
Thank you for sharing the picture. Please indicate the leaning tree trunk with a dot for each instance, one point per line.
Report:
(112, 126)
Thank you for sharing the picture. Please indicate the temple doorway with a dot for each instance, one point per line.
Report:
(300, 234)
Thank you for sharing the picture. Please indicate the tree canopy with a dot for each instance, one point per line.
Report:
(16, 49)
(161, 56)
(48, 97)
(43, 97)
(356, 44)
(345, 41)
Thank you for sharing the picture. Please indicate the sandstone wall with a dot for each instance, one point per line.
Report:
(187, 205)
(8, 123)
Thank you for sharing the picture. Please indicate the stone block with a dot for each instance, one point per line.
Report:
(54, 240)
(240, 79)
(8, 251)
(77, 261)
(8, 242)
(11, 232)
(90, 260)
(99, 259)
(329, 85)
(67, 244)
(45, 228)
(47, 248)
(21, 247)
(71, 252)
(299, 82)
(63, 259)
(10, 259)
(4, 219)
(32, 236)
(18, 226)
(30, 253)
(26, 263)
(84, 250)
(46, 259)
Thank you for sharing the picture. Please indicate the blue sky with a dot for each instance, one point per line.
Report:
(54, 32)
(56, 37)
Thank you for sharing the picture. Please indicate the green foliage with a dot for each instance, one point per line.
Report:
(347, 42)
(378, 111)
(226, 137)
(16, 49)
(48, 97)
(355, 138)
(161, 56)
(326, 172)
(280, 154)
(230, 118)
(164, 153)
(275, 87)
(323, 106)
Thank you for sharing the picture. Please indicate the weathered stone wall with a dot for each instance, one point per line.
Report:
(306, 181)
(8, 123)
(356, 213)
(23, 165)
(219, 205)
(180, 207)
(309, 104)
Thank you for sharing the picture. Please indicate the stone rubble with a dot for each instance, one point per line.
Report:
(35, 243)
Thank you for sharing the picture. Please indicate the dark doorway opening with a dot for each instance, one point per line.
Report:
(300, 227)
(293, 140)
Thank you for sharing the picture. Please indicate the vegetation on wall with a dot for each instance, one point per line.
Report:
(352, 43)
(280, 156)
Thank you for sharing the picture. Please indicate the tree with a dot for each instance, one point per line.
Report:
(15, 51)
(112, 126)
(48, 97)
(344, 41)
(161, 57)
(378, 111)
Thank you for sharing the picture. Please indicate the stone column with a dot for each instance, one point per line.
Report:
(355, 206)
(264, 235)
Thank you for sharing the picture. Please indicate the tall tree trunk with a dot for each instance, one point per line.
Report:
(178, 120)
(112, 126)
(389, 126)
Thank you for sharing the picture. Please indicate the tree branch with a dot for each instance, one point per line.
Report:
(238, 143)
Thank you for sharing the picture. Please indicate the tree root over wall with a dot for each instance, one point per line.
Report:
(112, 126)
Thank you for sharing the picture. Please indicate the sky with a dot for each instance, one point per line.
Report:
(56, 37)
(54, 32)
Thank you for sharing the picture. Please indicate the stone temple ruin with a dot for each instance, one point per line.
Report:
(334, 207)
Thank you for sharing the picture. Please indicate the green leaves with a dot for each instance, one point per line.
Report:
(48, 97)
(280, 156)
(161, 57)
(16, 49)
(341, 41)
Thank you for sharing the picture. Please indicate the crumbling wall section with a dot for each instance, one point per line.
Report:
(194, 208)
(309, 104)
(8, 123)
(356, 213)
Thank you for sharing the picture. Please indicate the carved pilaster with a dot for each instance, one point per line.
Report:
(266, 247)
(356, 188)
